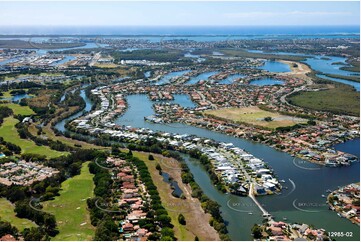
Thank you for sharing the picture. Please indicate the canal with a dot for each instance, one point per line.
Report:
(306, 182)
(301, 202)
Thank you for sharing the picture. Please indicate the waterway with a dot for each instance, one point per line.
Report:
(204, 76)
(17, 97)
(266, 82)
(324, 64)
(88, 106)
(181, 99)
(356, 85)
(302, 202)
(64, 60)
(177, 192)
(168, 77)
(311, 181)
(230, 79)
(275, 66)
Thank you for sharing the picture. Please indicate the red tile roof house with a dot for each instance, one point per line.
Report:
(276, 230)
(7, 237)
(121, 174)
(128, 178)
(142, 232)
(128, 227)
(126, 170)
(128, 185)
(279, 224)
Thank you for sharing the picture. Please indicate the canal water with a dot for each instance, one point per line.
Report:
(17, 97)
(230, 79)
(88, 106)
(325, 64)
(266, 82)
(356, 85)
(168, 77)
(275, 66)
(204, 76)
(181, 99)
(177, 192)
(306, 182)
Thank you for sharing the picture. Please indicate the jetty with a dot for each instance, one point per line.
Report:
(265, 214)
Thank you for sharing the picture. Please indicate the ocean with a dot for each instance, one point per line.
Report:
(265, 31)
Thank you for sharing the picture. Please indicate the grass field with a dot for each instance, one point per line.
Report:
(340, 99)
(10, 134)
(167, 198)
(17, 109)
(246, 54)
(349, 78)
(70, 208)
(7, 214)
(255, 116)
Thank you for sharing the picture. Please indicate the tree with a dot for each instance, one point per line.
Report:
(167, 232)
(164, 220)
(6, 228)
(150, 157)
(33, 234)
(181, 219)
(268, 119)
(257, 231)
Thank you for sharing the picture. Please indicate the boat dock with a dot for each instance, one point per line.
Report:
(265, 214)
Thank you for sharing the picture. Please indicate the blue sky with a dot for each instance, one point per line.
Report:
(178, 13)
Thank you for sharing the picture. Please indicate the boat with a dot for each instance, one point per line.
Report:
(285, 218)
(323, 195)
(328, 190)
(339, 215)
(282, 181)
(250, 213)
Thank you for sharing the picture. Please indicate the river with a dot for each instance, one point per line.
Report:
(311, 182)
(88, 106)
(324, 64)
(302, 202)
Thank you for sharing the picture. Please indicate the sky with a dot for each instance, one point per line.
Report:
(121, 13)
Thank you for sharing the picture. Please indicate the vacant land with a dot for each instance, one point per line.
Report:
(246, 54)
(70, 208)
(196, 220)
(349, 78)
(255, 116)
(7, 214)
(339, 99)
(10, 134)
(17, 109)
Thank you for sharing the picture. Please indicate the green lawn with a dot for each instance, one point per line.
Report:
(255, 116)
(10, 134)
(17, 109)
(7, 214)
(70, 208)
